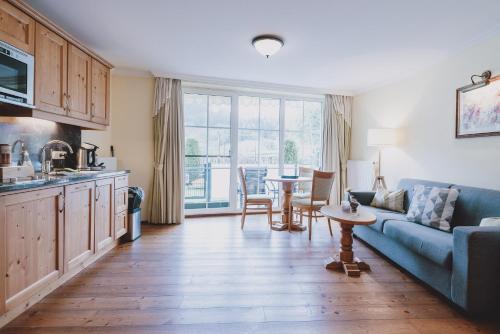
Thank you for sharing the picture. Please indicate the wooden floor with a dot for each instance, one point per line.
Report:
(208, 276)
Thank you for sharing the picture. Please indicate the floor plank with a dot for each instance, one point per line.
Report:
(208, 276)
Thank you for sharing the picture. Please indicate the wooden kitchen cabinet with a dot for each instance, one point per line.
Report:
(51, 55)
(17, 28)
(79, 87)
(31, 240)
(78, 224)
(104, 213)
(100, 93)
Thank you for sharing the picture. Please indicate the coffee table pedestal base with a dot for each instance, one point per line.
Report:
(352, 269)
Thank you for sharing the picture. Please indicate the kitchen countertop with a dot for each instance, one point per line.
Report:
(44, 180)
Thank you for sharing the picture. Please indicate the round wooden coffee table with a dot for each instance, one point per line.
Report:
(345, 261)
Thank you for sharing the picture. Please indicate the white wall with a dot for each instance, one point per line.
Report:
(131, 130)
(423, 107)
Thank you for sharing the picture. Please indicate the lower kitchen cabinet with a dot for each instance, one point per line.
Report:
(78, 224)
(120, 224)
(31, 236)
(104, 213)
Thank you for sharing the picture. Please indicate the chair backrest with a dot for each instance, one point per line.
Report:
(255, 179)
(305, 186)
(243, 182)
(322, 185)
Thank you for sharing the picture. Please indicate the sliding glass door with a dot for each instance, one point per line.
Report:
(207, 151)
(266, 135)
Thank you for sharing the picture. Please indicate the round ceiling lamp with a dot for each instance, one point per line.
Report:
(267, 45)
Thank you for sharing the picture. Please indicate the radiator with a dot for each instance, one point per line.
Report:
(360, 174)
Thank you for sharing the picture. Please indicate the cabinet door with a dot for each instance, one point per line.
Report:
(51, 54)
(104, 213)
(16, 28)
(120, 224)
(100, 93)
(78, 224)
(121, 200)
(31, 237)
(79, 71)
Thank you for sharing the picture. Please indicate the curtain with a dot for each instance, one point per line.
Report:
(167, 194)
(337, 118)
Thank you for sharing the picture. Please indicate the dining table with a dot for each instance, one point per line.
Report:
(287, 192)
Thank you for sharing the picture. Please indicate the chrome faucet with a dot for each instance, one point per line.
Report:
(46, 165)
(24, 155)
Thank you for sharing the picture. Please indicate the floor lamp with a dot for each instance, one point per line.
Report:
(381, 138)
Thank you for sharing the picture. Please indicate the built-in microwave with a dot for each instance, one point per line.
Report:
(16, 76)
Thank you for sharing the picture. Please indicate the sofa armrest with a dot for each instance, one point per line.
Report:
(476, 268)
(363, 197)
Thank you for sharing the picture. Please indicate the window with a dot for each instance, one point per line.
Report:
(207, 150)
(267, 135)
(302, 146)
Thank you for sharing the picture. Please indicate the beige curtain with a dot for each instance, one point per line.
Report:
(337, 118)
(167, 195)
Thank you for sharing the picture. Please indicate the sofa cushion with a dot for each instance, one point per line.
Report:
(435, 245)
(433, 206)
(408, 184)
(382, 216)
(390, 200)
(474, 204)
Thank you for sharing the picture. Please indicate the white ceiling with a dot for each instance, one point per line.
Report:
(330, 45)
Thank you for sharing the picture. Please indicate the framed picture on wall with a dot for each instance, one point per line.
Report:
(478, 109)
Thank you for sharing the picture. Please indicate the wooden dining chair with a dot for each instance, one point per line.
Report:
(257, 201)
(304, 188)
(320, 196)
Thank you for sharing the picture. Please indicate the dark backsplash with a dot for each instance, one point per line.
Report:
(35, 133)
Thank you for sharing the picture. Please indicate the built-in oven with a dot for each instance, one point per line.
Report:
(16, 76)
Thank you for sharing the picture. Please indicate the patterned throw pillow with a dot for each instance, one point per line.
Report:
(386, 199)
(433, 206)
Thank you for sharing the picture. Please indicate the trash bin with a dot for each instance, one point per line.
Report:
(135, 198)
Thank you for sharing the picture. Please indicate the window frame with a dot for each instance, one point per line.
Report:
(234, 94)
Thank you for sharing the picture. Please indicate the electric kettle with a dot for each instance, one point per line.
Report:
(86, 157)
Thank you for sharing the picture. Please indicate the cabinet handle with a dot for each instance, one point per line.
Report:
(98, 195)
(69, 102)
(62, 203)
(92, 109)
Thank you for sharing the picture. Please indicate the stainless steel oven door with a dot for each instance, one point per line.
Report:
(16, 76)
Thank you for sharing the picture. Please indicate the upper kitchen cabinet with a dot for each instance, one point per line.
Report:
(100, 93)
(79, 87)
(16, 27)
(51, 55)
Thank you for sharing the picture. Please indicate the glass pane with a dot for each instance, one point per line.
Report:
(269, 148)
(219, 185)
(248, 117)
(270, 114)
(312, 116)
(311, 149)
(219, 142)
(196, 141)
(292, 148)
(294, 115)
(248, 145)
(219, 109)
(195, 110)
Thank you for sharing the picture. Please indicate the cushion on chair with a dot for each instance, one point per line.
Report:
(383, 216)
(306, 202)
(433, 206)
(301, 195)
(260, 196)
(435, 245)
(390, 200)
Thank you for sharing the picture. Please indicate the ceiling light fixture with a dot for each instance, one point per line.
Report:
(267, 45)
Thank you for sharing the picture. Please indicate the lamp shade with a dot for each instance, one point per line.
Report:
(382, 137)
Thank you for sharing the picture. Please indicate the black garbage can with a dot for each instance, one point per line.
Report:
(135, 198)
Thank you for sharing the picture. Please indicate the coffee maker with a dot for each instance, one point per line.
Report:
(87, 158)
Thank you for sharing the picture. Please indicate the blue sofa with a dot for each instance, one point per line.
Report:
(463, 265)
